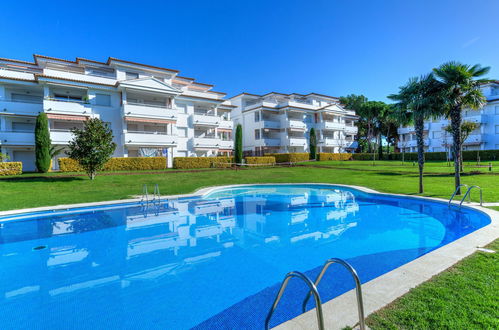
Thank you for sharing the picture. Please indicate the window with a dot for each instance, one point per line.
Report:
(182, 132)
(26, 98)
(257, 134)
(103, 100)
(257, 116)
(69, 98)
(132, 75)
(23, 127)
(497, 129)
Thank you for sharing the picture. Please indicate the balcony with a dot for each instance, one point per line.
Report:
(149, 110)
(297, 141)
(351, 129)
(473, 139)
(207, 142)
(411, 129)
(301, 105)
(294, 123)
(226, 124)
(206, 120)
(331, 125)
(226, 144)
(149, 139)
(330, 142)
(475, 117)
(412, 143)
(267, 123)
(17, 138)
(62, 136)
(21, 108)
(271, 142)
(66, 107)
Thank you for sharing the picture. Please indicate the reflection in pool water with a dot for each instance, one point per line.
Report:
(211, 261)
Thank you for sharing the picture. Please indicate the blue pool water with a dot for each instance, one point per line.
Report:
(207, 262)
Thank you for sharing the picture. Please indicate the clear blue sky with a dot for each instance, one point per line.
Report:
(333, 47)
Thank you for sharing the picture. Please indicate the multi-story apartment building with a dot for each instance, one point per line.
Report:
(277, 122)
(151, 110)
(436, 138)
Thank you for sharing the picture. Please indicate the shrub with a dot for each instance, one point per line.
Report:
(11, 168)
(334, 156)
(202, 162)
(118, 164)
(238, 144)
(292, 157)
(265, 160)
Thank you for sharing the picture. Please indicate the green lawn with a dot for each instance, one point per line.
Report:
(463, 297)
(30, 190)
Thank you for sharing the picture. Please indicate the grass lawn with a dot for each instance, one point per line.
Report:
(463, 297)
(30, 190)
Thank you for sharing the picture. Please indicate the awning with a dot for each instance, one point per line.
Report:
(150, 120)
(67, 117)
(224, 130)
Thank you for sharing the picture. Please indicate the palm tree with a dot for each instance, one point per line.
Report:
(461, 89)
(421, 98)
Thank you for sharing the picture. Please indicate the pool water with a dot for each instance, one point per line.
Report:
(213, 261)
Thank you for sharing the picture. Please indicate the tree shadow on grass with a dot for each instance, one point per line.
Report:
(32, 179)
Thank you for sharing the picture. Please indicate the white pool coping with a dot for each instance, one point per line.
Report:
(377, 293)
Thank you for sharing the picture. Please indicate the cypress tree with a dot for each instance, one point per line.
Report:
(313, 144)
(238, 145)
(42, 143)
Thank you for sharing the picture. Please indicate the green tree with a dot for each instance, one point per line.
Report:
(461, 89)
(4, 157)
(372, 114)
(92, 146)
(238, 145)
(421, 97)
(42, 143)
(313, 144)
(355, 102)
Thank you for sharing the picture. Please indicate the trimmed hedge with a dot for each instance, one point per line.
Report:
(118, 164)
(265, 160)
(333, 156)
(11, 168)
(292, 157)
(202, 162)
(468, 155)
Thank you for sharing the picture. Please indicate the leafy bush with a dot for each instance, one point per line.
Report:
(334, 156)
(11, 168)
(118, 164)
(202, 162)
(265, 160)
(292, 157)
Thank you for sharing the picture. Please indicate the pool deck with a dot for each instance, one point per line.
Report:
(377, 293)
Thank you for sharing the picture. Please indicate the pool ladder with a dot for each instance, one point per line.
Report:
(313, 291)
(145, 195)
(467, 194)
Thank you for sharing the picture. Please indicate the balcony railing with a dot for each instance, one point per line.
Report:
(60, 136)
(21, 108)
(207, 142)
(17, 137)
(145, 138)
(149, 110)
(297, 141)
(208, 120)
(71, 107)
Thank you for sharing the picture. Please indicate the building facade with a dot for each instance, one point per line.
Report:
(436, 138)
(277, 122)
(152, 111)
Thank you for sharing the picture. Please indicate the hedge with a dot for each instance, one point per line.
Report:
(202, 162)
(118, 164)
(468, 155)
(11, 168)
(332, 156)
(265, 160)
(292, 157)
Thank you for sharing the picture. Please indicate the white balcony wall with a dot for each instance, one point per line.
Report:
(207, 143)
(21, 108)
(60, 137)
(17, 138)
(140, 110)
(199, 119)
(68, 108)
(149, 139)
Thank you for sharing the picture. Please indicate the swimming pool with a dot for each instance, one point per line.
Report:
(210, 261)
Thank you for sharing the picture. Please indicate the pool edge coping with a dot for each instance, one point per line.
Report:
(377, 292)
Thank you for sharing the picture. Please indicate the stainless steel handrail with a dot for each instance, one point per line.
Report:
(358, 289)
(145, 195)
(468, 193)
(455, 192)
(313, 290)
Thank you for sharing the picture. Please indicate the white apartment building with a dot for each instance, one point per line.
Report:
(485, 137)
(152, 111)
(277, 122)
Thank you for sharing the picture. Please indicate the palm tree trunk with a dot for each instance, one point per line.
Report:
(456, 119)
(419, 127)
